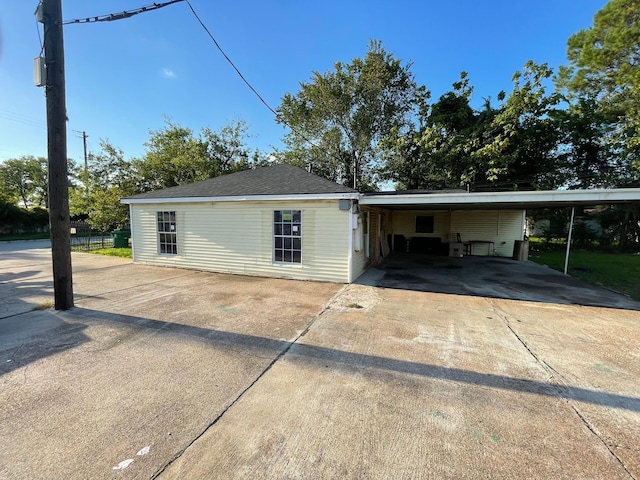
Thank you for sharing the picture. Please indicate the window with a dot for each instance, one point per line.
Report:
(424, 223)
(287, 236)
(167, 235)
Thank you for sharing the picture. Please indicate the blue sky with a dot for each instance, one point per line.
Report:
(123, 77)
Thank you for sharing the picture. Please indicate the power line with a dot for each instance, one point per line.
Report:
(19, 118)
(109, 17)
(229, 60)
(275, 113)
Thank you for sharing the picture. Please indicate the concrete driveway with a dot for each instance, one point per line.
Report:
(181, 374)
(495, 277)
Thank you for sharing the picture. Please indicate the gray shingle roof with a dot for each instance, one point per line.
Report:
(272, 180)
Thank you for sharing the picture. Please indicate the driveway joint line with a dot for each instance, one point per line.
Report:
(281, 354)
(551, 371)
(606, 445)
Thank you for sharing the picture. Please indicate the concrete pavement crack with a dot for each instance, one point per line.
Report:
(560, 385)
(304, 331)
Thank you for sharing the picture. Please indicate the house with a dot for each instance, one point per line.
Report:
(277, 221)
(282, 221)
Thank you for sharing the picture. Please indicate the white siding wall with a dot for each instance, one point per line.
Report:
(237, 237)
(359, 260)
(502, 227)
(404, 223)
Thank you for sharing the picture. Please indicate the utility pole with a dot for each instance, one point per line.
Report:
(84, 143)
(59, 220)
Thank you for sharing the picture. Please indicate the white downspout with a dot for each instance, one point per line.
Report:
(566, 257)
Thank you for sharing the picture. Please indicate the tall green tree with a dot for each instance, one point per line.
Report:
(604, 66)
(339, 118)
(175, 155)
(97, 194)
(25, 180)
(518, 150)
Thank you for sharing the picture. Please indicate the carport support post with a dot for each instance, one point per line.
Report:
(59, 221)
(566, 257)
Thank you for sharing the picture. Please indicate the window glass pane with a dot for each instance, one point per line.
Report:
(287, 231)
(166, 229)
(424, 224)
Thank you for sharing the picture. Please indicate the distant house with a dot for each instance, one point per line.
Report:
(281, 221)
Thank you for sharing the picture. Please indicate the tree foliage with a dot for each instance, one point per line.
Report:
(176, 156)
(339, 117)
(24, 180)
(604, 68)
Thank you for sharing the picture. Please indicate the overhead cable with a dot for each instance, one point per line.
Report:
(121, 15)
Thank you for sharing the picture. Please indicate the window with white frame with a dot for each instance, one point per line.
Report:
(287, 236)
(167, 233)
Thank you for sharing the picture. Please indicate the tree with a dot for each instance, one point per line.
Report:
(339, 118)
(25, 180)
(519, 147)
(604, 66)
(176, 156)
(436, 154)
(108, 178)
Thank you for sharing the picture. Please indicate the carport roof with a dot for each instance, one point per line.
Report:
(499, 200)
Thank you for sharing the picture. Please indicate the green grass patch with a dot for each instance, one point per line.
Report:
(617, 271)
(113, 252)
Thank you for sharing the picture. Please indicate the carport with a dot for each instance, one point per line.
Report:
(467, 223)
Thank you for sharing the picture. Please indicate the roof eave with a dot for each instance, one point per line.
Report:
(245, 198)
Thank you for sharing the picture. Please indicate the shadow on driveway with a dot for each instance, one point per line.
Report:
(348, 361)
(494, 277)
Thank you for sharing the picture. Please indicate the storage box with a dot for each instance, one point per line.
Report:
(456, 249)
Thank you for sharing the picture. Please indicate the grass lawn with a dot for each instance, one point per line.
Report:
(619, 272)
(113, 252)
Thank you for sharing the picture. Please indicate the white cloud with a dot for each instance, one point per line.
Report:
(168, 73)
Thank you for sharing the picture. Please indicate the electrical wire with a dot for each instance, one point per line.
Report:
(39, 38)
(275, 113)
(122, 15)
(230, 62)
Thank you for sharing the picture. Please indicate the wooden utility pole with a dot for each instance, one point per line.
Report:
(84, 143)
(59, 220)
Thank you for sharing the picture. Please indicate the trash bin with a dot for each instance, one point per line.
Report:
(521, 250)
(121, 238)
